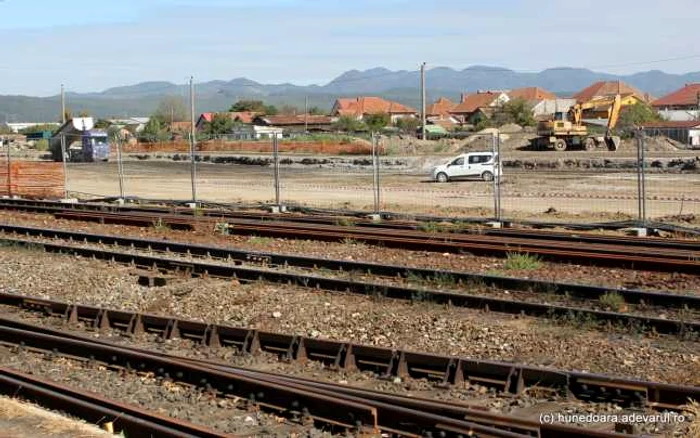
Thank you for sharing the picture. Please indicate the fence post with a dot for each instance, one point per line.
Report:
(497, 178)
(65, 165)
(9, 170)
(276, 169)
(644, 183)
(375, 175)
(641, 183)
(120, 168)
(193, 166)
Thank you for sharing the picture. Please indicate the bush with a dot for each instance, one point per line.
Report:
(42, 145)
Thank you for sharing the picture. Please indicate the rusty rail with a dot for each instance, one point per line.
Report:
(447, 370)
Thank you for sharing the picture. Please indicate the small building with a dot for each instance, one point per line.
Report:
(359, 107)
(438, 113)
(133, 124)
(15, 128)
(681, 105)
(297, 124)
(686, 132)
(557, 109)
(475, 107)
(245, 117)
(82, 142)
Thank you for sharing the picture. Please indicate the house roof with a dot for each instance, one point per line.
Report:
(370, 105)
(609, 88)
(181, 126)
(688, 96)
(299, 119)
(441, 107)
(473, 102)
(531, 94)
(673, 124)
(240, 116)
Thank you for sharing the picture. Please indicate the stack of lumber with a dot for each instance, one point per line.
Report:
(31, 179)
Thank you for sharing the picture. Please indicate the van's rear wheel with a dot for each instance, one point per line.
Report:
(442, 177)
(487, 176)
(560, 145)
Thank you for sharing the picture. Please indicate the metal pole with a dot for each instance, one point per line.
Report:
(375, 174)
(276, 166)
(193, 162)
(422, 98)
(120, 168)
(9, 170)
(65, 166)
(498, 178)
(306, 114)
(495, 182)
(643, 179)
(63, 104)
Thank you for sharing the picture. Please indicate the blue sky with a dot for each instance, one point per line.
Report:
(91, 45)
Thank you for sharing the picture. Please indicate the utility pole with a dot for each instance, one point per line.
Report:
(63, 104)
(306, 114)
(193, 168)
(422, 99)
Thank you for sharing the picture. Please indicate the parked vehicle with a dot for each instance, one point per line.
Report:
(472, 165)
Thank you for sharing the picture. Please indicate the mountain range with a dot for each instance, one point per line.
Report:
(402, 86)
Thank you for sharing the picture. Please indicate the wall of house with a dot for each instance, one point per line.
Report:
(679, 115)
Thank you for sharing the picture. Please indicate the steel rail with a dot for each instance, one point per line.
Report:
(677, 255)
(599, 254)
(232, 255)
(451, 227)
(196, 268)
(337, 355)
(96, 409)
(337, 410)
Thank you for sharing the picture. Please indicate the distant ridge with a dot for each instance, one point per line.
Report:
(402, 86)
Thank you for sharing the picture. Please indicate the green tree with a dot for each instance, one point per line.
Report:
(220, 124)
(637, 115)
(38, 128)
(348, 124)
(155, 131)
(517, 111)
(408, 125)
(377, 122)
(316, 111)
(256, 106)
(171, 109)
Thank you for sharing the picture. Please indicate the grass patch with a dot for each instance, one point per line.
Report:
(613, 301)
(692, 408)
(344, 222)
(159, 225)
(522, 262)
(257, 240)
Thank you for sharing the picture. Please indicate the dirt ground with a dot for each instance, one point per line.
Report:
(525, 194)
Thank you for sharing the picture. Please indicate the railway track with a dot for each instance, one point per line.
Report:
(650, 254)
(295, 399)
(158, 256)
(401, 415)
(504, 377)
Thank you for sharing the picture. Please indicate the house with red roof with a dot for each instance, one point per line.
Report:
(475, 107)
(240, 116)
(683, 131)
(359, 107)
(681, 105)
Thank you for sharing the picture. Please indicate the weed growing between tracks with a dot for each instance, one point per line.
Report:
(521, 262)
(613, 301)
(692, 408)
(257, 240)
(159, 225)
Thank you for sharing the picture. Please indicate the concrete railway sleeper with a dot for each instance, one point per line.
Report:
(230, 255)
(508, 306)
(333, 410)
(447, 370)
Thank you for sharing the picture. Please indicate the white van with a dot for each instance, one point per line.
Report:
(472, 165)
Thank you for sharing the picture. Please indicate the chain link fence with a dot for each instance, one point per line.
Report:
(401, 176)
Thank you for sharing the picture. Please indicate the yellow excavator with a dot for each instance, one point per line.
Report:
(561, 135)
